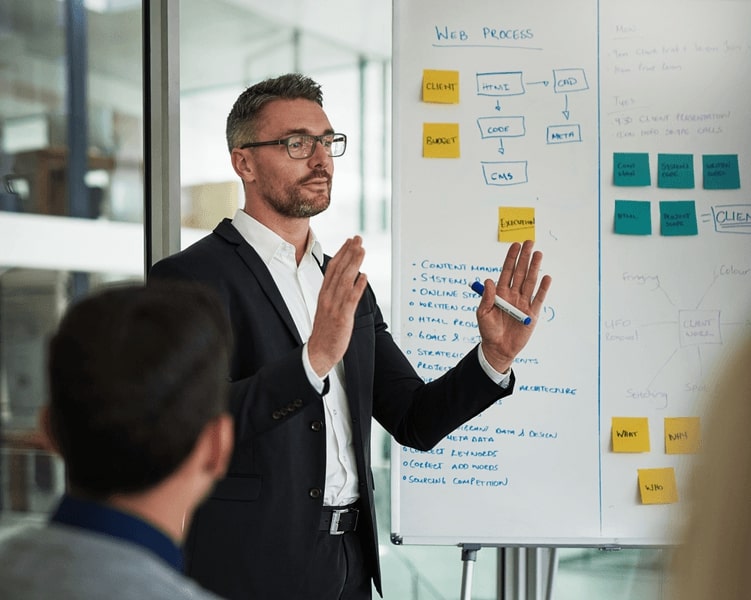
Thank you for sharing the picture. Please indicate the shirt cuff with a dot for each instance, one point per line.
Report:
(317, 382)
(501, 379)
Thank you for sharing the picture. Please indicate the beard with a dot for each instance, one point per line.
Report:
(297, 202)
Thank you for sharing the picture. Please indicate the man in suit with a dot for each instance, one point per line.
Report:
(314, 363)
(138, 411)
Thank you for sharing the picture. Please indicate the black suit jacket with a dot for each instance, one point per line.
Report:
(253, 537)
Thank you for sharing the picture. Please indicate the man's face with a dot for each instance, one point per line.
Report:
(296, 188)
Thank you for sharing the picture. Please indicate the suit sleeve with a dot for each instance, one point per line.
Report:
(420, 414)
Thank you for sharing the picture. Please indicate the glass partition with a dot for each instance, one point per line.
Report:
(71, 204)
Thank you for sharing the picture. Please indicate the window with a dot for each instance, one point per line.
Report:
(71, 207)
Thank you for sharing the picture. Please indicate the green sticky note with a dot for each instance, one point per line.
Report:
(632, 217)
(721, 172)
(675, 171)
(678, 218)
(631, 169)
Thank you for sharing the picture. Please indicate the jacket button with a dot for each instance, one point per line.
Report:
(314, 493)
(297, 403)
(276, 415)
(316, 426)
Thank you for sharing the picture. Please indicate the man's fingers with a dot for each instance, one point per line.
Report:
(507, 270)
(542, 292)
(516, 265)
(528, 283)
(522, 265)
(344, 267)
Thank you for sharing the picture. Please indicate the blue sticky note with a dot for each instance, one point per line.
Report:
(678, 217)
(631, 169)
(721, 172)
(675, 171)
(632, 217)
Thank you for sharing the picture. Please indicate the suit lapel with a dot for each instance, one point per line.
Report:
(259, 272)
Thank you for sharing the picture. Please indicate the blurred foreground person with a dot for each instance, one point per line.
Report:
(715, 554)
(138, 411)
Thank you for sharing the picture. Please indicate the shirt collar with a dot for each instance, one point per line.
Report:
(103, 519)
(266, 242)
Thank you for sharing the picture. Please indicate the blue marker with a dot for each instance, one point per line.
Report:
(505, 306)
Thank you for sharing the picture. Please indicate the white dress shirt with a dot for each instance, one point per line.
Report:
(299, 286)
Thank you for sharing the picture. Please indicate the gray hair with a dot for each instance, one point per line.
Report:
(243, 118)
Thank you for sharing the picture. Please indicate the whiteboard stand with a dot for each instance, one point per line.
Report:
(520, 572)
(552, 571)
(469, 556)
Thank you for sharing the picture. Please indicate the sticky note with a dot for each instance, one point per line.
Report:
(678, 217)
(516, 224)
(720, 172)
(657, 486)
(440, 140)
(631, 169)
(630, 434)
(440, 86)
(632, 217)
(675, 171)
(682, 435)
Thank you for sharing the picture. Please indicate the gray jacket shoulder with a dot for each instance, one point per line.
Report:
(54, 561)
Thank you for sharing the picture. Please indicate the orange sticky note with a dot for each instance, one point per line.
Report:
(440, 86)
(516, 224)
(682, 435)
(440, 140)
(657, 486)
(630, 434)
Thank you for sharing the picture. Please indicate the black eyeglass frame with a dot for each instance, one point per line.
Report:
(317, 139)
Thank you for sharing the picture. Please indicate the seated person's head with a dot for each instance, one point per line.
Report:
(136, 374)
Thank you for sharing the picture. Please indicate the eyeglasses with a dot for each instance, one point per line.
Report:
(303, 145)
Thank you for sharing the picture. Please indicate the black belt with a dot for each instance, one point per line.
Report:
(338, 520)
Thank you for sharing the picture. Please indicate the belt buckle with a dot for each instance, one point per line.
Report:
(336, 516)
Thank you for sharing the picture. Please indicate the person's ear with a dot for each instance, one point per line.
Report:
(45, 429)
(242, 164)
(221, 437)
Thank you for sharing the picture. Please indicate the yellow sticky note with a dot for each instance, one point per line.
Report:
(630, 434)
(440, 86)
(682, 435)
(440, 140)
(516, 224)
(657, 486)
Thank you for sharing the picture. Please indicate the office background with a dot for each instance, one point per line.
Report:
(72, 106)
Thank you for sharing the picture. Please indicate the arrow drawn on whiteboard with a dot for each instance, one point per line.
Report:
(501, 149)
(550, 232)
(565, 108)
(543, 82)
(498, 105)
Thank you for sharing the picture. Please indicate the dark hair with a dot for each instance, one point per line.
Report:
(242, 119)
(135, 374)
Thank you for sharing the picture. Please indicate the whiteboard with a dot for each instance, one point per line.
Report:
(651, 263)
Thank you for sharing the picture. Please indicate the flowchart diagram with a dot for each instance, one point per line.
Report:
(442, 140)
